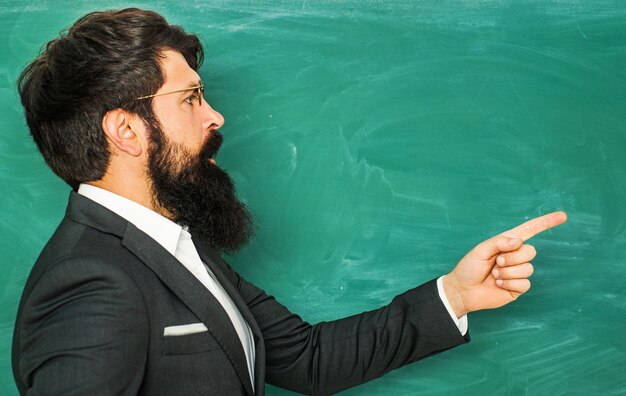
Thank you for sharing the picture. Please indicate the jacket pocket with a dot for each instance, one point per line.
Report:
(188, 344)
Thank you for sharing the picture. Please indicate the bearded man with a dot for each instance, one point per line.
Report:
(130, 295)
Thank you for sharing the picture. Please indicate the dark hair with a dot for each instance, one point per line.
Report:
(104, 61)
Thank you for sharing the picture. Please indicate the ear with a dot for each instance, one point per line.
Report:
(116, 125)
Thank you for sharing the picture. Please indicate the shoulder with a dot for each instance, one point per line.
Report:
(75, 284)
(82, 267)
(77, 252)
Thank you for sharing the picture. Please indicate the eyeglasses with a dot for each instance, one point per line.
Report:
(199, 89)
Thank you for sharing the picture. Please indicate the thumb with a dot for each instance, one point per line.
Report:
(497, 244)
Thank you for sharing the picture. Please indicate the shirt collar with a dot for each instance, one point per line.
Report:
(164, 231)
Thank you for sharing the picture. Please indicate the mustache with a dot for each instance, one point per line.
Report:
(212, 145)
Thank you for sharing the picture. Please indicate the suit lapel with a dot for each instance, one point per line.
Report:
(173, 274)
(210, 257)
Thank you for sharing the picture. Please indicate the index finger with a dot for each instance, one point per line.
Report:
(533, 227)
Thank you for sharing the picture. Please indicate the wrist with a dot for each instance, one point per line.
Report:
(454, 295)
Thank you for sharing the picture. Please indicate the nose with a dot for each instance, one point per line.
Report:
(212, 119)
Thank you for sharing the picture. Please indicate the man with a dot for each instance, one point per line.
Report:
(130, 295)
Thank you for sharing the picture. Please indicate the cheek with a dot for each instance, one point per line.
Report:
(184, 127)
(196, 133)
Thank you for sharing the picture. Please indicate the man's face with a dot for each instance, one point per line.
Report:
(187, 118)
(184, 178)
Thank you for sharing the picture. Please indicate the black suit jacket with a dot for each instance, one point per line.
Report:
(92, 315)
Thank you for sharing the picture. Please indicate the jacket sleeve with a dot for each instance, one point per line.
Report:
(83, 331)
(331, 356)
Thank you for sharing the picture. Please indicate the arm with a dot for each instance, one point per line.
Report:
(332, 356)
(83, 330)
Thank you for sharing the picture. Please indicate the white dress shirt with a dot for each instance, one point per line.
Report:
(176, 240)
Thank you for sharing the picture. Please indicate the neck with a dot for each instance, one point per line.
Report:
(136, 189)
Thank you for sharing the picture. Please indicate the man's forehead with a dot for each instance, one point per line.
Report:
(176, 71)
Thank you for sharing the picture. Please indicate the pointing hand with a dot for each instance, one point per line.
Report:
(496, 271)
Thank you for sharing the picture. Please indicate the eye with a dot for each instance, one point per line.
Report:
(191, 98)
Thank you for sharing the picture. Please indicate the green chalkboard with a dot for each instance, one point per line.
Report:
(376, 142)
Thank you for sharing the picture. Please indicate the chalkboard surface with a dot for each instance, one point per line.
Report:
(376, 142)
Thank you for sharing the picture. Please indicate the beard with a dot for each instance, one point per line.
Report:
(197, 193)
